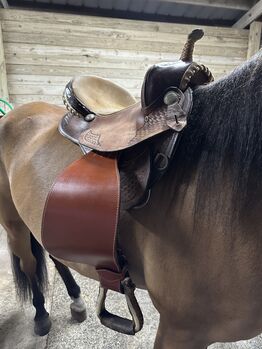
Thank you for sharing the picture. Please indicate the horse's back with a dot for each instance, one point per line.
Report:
(25, 123)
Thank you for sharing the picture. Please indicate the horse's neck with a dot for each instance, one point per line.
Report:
(174, 203)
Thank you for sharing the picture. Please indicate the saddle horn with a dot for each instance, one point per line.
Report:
(181, 74)
(188, 49)
(196, 74)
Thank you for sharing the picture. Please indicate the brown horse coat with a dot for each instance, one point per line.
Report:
(207, 286)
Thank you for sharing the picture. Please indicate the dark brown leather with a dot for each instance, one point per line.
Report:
(134, 167)
(108, 278)
(159, 77)
(81, 215)
(180, 74)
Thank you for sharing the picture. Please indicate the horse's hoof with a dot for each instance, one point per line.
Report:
(78, 309)
(79, 316)
(43, 325)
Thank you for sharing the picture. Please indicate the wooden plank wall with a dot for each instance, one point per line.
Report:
(44, 50)
(254, 42)
(3, 77)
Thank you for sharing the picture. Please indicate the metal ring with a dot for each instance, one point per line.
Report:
(171, 97)
(161, 161)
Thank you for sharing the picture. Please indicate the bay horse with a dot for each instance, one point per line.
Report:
(196, 246)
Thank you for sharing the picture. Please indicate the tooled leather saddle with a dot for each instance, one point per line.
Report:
(127, 148)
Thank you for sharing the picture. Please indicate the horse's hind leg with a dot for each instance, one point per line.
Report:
(78, 307)
(28, 259)
(29, 271)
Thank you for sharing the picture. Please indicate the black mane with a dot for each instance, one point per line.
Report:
(224, 139)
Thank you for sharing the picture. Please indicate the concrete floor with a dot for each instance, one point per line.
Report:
(16, 326)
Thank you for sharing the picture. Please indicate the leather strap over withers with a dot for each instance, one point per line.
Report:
(79, 225)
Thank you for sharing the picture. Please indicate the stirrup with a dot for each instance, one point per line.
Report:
(118, 323)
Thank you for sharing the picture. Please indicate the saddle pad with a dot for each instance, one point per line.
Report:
(80, 216)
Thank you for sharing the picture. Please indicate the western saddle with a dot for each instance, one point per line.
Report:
(127, 148)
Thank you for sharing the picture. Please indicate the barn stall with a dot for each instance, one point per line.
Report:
(39, 53)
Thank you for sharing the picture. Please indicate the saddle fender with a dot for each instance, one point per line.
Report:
(80, 225)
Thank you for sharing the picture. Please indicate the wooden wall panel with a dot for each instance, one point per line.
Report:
(254, 42)
(44, 50)
(3, 75)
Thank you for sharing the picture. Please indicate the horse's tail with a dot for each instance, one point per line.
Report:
(23, 286)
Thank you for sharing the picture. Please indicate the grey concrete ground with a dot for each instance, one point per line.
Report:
(16, 327)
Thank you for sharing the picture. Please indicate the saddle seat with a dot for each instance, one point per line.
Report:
(99, 95)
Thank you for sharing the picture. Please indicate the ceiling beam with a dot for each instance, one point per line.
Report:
(230, 4)
(249, 17)
(4, 3)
